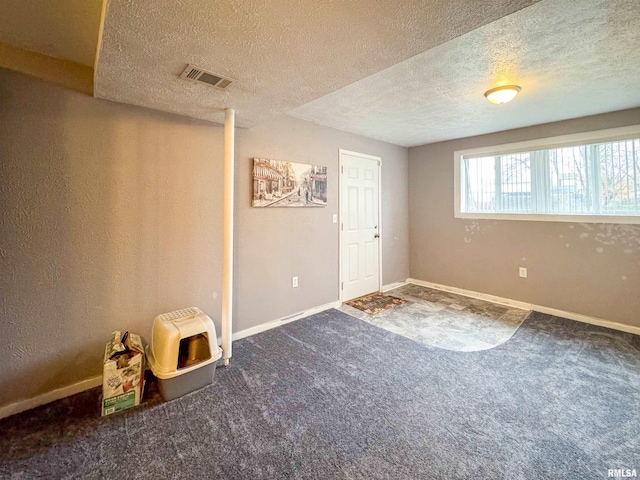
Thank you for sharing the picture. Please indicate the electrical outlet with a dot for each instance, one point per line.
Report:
(523, 272)
(335, 218)
(294, 282)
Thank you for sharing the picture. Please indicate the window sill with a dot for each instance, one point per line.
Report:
(615, 219)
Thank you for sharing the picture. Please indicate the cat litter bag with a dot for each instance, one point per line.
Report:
(122, 373)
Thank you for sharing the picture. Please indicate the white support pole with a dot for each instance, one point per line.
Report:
(227, 236)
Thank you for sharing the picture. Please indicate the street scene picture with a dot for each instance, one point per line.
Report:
(288, 184)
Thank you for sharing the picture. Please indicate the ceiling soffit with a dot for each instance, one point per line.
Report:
(64, 29)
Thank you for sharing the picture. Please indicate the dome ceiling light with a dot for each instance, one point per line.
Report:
(503, 94)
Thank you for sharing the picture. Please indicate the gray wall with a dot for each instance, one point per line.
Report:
(275, 244)
(590, 269)
(112, 214)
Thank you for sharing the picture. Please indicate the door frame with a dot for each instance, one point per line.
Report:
(340, 224)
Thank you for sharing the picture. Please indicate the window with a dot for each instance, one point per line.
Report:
(591, 177)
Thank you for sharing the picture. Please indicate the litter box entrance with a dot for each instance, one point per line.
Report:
(193, 350)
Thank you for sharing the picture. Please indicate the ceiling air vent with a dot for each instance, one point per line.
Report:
(199, 75)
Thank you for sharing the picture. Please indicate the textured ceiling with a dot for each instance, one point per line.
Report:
(282, 53)
(571, 57)
(407, 72)
(66, 29)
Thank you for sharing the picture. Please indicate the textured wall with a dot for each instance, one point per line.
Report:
(592, 269)
(112, 214)
(275, 244)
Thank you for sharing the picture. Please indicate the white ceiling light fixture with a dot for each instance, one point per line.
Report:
(503, 94)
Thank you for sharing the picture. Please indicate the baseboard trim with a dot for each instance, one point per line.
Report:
(393, 286)
(263, 327)
(57, 394)
(579, 317)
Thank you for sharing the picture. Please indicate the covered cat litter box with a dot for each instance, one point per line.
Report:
(183, 351)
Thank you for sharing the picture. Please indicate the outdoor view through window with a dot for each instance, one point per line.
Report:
(600, 179)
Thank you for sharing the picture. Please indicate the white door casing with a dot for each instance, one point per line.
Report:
(360, 242)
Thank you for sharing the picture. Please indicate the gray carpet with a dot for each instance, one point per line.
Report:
(331, 396)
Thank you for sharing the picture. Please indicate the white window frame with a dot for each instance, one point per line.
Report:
(608, 135)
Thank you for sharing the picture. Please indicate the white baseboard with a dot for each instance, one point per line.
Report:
(57, 394)
(579, 317)
(95, 381)
(263, 327)
(393, 286)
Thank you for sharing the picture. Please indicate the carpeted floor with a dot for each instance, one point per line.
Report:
(331, 396)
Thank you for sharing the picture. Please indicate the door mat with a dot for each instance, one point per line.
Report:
(375, 303)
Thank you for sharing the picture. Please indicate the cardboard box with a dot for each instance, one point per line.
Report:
(122, 373)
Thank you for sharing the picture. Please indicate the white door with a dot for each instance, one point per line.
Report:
(360, 224)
